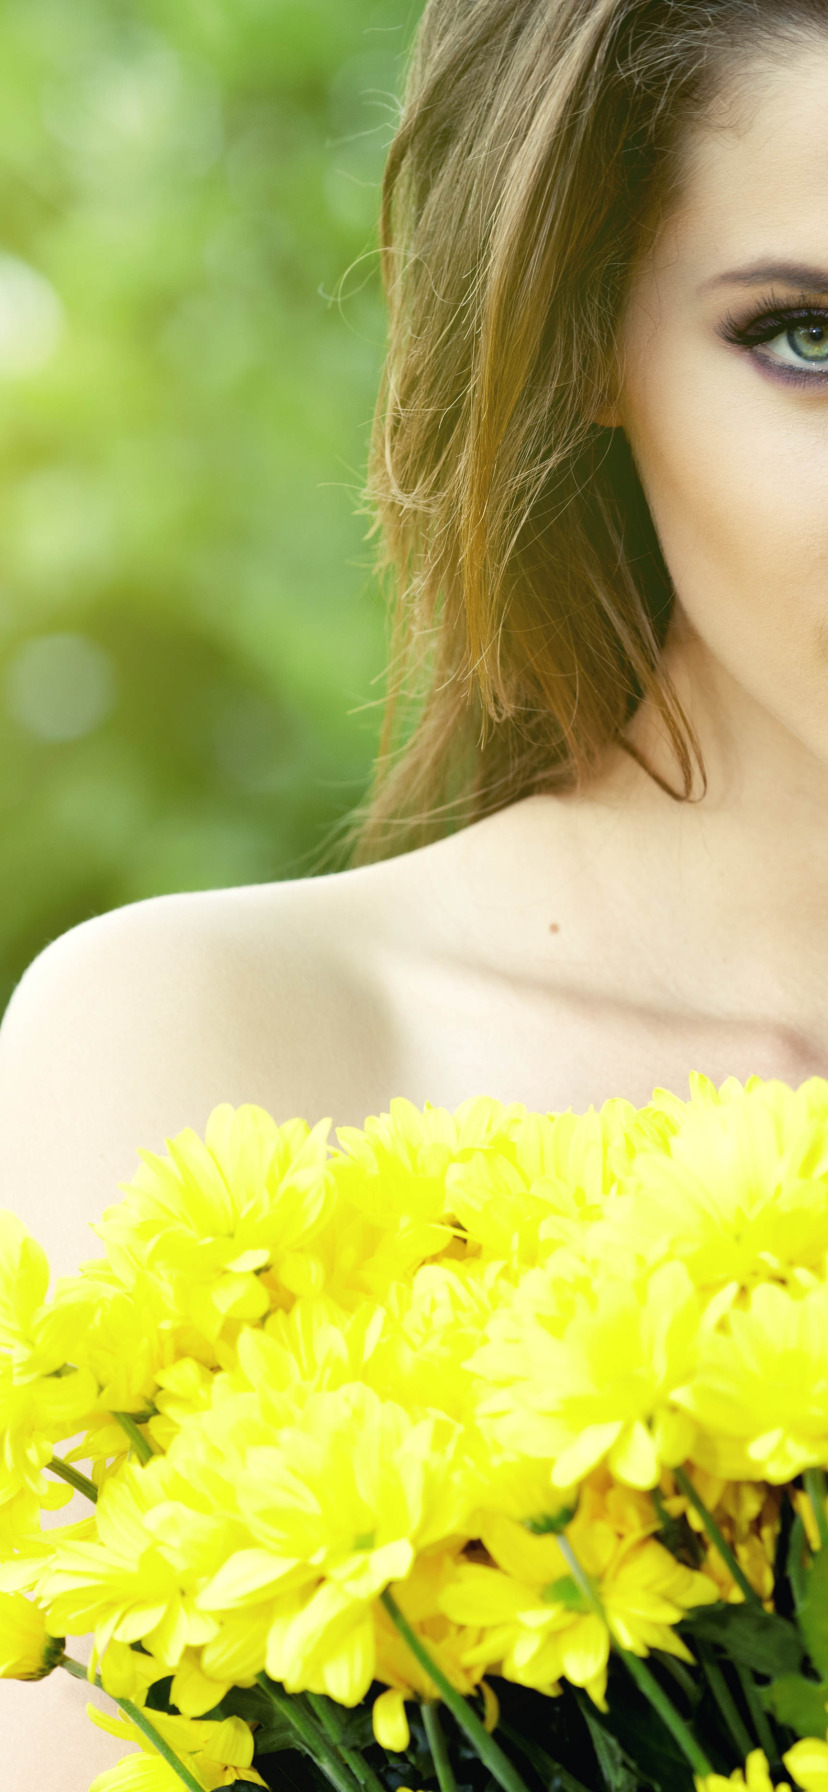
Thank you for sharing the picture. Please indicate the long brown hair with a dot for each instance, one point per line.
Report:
(539, 141)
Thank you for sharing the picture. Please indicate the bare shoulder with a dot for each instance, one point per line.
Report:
(136, 1023)
(315, 997)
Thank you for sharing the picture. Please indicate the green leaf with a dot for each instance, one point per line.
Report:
(799, 1703)
(688, 1681)
(617, 1771)
(272, 1732)
(354, 1727)
(749, 1635)
(813, 1614)
(555, 1777)
(158, 1695)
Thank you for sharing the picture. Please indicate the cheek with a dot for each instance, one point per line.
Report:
(735, 470)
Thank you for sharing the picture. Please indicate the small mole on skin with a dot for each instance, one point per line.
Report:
(554, 927)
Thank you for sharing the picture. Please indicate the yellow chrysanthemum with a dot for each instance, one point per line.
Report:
(537, 1623)
(182, 1389)
(423, 1351)
(120, 1585)
(352, 1488)
(35, 1414)
(395, 1166)
(34, 1338)
(542, 1185)
(226, 1216)
(20, 1529)
(601, 1383)
(739, 1190)
(217, 1754)
(27, 1650)
(394, 1178)
(127, 1337)
(315, 1347)
(453, 1358)
(42, 1399)
(760, 1396)
(754, 1777)
(334, 1512)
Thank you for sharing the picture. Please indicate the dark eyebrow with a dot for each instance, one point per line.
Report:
(791, 273)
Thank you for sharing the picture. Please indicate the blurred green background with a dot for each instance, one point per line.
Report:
(191, 331)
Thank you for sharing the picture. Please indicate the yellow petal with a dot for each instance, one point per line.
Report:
(244, 1579)
(193, 1691)
(230, 1742)
(584, 1650)
(535, 1560)
(390, 1721)
(483, 1596)
(807, 1763)
(583, 1453)
(23, 1638)
(633, 1459)
(491, 1706)
(348, 1671)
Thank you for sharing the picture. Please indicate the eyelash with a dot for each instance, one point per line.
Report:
(772, 321)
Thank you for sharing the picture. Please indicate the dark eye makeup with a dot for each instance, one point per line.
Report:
(804, 328)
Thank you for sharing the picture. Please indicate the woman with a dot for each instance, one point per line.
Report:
(601, 468)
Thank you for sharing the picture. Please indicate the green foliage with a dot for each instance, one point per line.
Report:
(617, 1771)
(747, 1635)
(188, 626)
(813, 1615)
(799, 1703)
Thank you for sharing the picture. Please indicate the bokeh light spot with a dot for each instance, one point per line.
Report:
(31, 319)
(60, 686)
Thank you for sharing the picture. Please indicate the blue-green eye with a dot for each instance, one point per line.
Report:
(806, 342)
(791, 337)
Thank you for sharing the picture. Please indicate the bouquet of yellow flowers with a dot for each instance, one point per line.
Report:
(478, 1449)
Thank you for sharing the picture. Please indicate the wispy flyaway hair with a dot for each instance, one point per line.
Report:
(539, 145)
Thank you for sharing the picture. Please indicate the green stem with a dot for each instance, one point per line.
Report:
(500, 1767)
(682, 1480)
(141, 1721)
(314, 1739)
(740, 1734)
(797, 1574)
(437, 1744)
(143, 1449)
(682, 1676)
(351, 1756)
(644, 1680)
(655, 1696)
(675, 1533)
(759, 1719)
(815, 1488)
(579, 1574)
(68, 1472)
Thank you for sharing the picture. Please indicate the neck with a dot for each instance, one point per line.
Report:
(740, 873)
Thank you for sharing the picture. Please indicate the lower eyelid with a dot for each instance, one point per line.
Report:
(785, 372)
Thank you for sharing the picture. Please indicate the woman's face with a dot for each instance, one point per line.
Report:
(725, 390)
